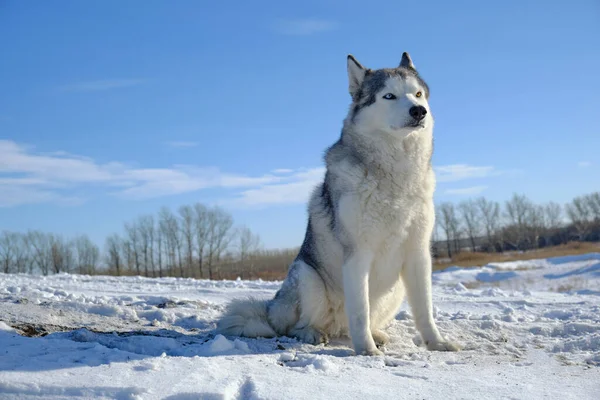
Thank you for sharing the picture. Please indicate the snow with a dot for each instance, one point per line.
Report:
(529, 329)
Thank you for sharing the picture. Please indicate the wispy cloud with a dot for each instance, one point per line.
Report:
(101, 85)
(295, 188)
(458, 172)
(28, 176)
(584, 164)
(304, 26)
(182, 144)
(468, 191)
(14, 195)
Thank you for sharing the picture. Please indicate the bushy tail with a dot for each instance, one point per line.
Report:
(246, 317)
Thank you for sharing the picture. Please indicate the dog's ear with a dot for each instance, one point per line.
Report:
(406, 61)
(356, 75)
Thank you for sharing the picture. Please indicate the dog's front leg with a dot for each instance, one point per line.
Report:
(416, 275)
(356, 299)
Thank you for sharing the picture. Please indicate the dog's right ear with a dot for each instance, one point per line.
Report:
(406, 61)
(356, 75)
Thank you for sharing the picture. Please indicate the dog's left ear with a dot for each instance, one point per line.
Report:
(356, 75)
(407, 61)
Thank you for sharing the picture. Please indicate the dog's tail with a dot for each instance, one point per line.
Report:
(246, 317)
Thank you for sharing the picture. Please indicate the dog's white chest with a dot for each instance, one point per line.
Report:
(388, 206)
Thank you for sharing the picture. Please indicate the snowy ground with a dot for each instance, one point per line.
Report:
(530, 330)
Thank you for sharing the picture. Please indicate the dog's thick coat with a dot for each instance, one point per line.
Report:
(367, 241)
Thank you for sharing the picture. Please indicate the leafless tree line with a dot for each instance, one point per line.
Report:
(47, 253)
(518, 224)
(193, 242)
(202, 242)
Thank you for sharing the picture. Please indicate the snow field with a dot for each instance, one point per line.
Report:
(528, 329)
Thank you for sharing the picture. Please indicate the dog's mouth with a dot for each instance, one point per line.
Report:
(411, 124)
(415, 124)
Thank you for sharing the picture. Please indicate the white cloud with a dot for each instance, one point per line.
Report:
(304, 26)
(157, 182)
(295, 189)
(101, 85)
(584, 164)
(53, 167)
(182, 144)
(459, 172)
(468, 191)
(14, 195)
(30, 177)
(27, 176)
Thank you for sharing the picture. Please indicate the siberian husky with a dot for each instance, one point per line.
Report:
(370, 221)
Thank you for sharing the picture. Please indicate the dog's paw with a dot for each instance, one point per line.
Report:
(380, 337)
(310, 335)
(442, 346)
(370, 352)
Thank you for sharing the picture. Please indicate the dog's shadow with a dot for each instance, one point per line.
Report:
(87, 347)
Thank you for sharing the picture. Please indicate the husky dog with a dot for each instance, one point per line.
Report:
(370, 221)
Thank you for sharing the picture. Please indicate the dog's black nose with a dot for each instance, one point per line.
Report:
(418, 112)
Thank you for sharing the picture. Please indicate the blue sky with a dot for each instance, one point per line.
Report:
(109, 110)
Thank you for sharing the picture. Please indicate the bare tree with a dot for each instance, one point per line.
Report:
(164, 227)
(87, 255)
(537, 223)
(62, 254)
(448, 221)
(553, 222)
(187, 232)
(145, 226)
(113, 253)
(134, 241)
(219, 236)
(553, 215)
(128, 255)
(159, 250)
(41, 252)
(593, 204)
(22, 254)
(472, 219)
(248, 244)
(201, 226)
(151, 229)
(8, 244)
(490, 214)
(518, 212)
(581, 215)
(172, 234)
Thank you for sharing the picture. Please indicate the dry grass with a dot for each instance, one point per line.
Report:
(274, 267)
(470, 259)
(465, 259)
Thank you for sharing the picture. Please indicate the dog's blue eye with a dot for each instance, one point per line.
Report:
(389, 96)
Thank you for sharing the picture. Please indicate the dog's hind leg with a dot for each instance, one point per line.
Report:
(283, 309)
(315, 313)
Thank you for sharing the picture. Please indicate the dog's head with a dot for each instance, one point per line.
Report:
(389, 100)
